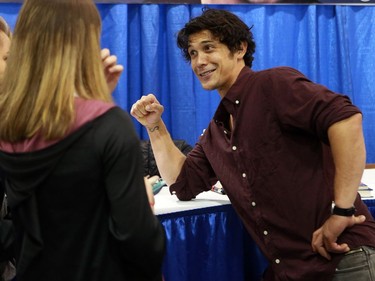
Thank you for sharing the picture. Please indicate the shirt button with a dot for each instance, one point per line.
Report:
(277, 261)
(243, 175)
(265, 232)
(234, 147)
(253, 204)
(237, 102)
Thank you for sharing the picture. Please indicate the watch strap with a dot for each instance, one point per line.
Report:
(345, 212)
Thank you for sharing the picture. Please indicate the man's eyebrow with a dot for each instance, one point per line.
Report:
(202, 43)
(207, 41)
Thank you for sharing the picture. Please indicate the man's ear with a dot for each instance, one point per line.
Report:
(242, 49)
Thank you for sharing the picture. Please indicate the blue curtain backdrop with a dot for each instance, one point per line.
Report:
(332, 45)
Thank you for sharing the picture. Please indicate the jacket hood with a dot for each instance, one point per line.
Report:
(25, 171)
(27, 164)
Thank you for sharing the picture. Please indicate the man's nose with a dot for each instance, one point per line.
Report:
(201, 58)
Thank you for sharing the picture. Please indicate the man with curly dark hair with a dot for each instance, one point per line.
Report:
(289, 153)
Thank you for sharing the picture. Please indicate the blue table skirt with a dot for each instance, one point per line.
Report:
(211, 244)
(371, 206)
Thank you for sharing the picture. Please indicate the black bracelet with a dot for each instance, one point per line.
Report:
(348, 212)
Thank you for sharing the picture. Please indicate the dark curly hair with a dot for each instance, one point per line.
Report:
(225, 26)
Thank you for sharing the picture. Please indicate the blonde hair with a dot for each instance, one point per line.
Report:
(55, 53)
(4, 27)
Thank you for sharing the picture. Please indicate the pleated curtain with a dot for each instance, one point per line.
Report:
(331, 44)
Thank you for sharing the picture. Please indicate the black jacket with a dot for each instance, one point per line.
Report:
(80, 207)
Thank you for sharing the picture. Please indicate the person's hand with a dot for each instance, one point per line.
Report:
(147, 110)
(324, 240)
(112, 70)
(150, 194)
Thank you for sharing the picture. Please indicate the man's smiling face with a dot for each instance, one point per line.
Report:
(213, 63)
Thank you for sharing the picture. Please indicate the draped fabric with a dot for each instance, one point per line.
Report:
(331, 44)
(211, 244)
(371, 206)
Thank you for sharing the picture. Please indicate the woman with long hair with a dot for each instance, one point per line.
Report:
(71, 158)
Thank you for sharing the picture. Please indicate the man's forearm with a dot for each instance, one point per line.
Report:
(349, 154)
(169, 158)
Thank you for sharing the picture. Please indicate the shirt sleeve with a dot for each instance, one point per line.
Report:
(196, 176)
(140, 236)
(303, 105)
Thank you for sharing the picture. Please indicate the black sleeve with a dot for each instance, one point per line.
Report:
(183, 146)
(6, 240)
(149, 164)
(6, 229)
(140, 235)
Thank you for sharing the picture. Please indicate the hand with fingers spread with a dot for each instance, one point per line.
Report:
(112, 70)
(147, 111)
(324, 240)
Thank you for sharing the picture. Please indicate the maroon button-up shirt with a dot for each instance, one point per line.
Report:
(276, 167)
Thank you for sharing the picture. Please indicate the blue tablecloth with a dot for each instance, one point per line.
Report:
(211, 244)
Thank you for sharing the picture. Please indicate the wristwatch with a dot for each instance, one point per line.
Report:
(348, 212)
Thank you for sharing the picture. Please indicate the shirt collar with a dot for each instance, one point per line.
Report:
(236, 92)
(234, 95)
